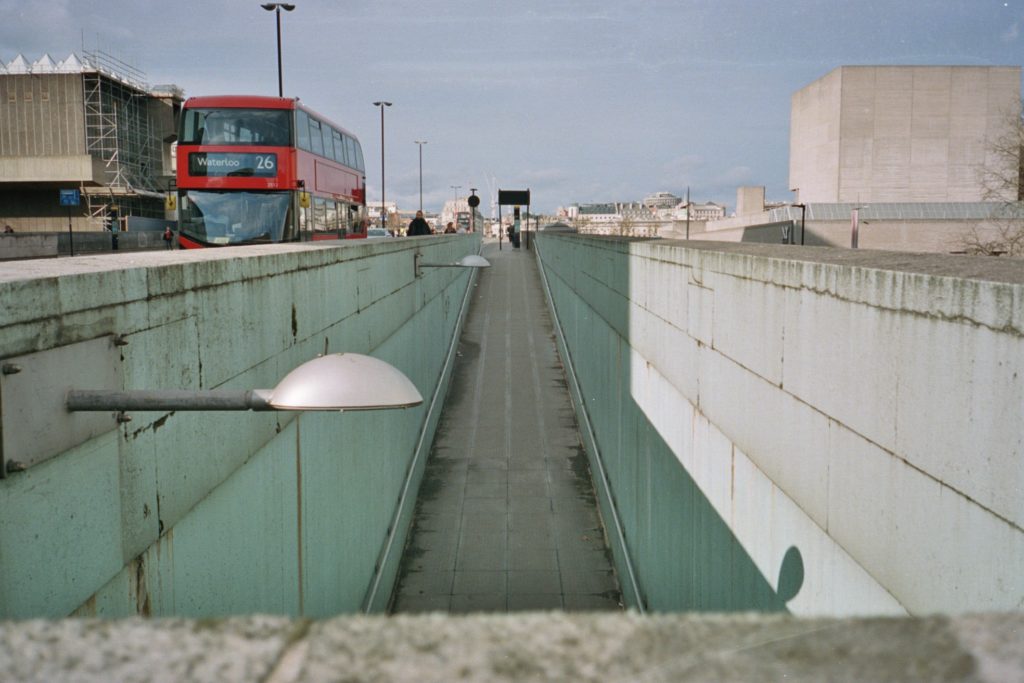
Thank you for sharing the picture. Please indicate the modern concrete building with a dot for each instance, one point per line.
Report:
(661, 200)
(899, 133)
(893, 157)
(89, 124)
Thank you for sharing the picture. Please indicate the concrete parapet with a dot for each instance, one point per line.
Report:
(827, 431)
(527, 647)
(207, 514)
(39, 245)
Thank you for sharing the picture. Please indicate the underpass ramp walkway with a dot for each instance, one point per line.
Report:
(506, 517)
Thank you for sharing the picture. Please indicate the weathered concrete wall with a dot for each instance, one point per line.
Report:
(842, 425)
(42, 115)
(31, 246)
(932, 236)
(203, 514)
(558, 647)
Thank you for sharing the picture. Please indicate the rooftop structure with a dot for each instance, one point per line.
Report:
(89, 123)
(661, 200)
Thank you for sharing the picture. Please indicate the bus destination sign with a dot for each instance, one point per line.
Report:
(240, 164)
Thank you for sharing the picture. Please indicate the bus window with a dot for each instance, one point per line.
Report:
(328, 141)
(231, 217)
(331, 216)
(344, 218)
(236, 126)
(350, 151)
(315, 138)
(358, 157)
(339, 148)
(302, 128)
(356, 223)
(319, 214)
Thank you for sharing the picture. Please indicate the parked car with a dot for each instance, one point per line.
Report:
(375, 233)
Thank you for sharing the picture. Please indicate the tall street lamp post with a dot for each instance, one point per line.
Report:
(455, 193)
(421, 143)
(383, 205)
(276, 7)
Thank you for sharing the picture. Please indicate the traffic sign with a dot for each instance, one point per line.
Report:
(70, 198)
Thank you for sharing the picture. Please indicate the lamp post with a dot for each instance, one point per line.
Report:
(383, 205)
(421, 143)
(276, 7)
(455, 194)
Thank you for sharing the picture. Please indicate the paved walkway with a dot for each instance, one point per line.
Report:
(506, 518)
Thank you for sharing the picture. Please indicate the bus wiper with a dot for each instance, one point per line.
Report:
(245, 172)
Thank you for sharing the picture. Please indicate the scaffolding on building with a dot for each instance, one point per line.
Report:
(119, 135)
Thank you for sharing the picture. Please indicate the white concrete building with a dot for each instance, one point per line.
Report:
(661, 200)
(898, 133)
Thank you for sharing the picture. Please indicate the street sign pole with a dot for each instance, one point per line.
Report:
(70, 198)
(71, 235)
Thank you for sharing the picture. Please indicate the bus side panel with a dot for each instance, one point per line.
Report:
(335, 181)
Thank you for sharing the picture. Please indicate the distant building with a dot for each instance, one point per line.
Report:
(890, 157)
(90, 124)
(394, 217)
(708, 211)
(661, 200)
(898, 133)
(631, 219)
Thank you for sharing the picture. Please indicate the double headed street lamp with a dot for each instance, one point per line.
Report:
(383, 205)
(276, 7)
(421, 143)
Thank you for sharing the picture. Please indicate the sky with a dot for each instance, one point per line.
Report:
(578, 101)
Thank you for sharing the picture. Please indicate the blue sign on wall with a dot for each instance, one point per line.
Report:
(70, 198)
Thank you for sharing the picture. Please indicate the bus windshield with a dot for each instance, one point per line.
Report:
(234, 217)
(270, 127)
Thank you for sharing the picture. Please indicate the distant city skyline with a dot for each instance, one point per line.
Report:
(581, 103)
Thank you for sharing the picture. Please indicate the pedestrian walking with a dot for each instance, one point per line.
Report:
(418, 226)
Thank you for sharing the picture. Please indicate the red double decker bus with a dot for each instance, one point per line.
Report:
(257, 169)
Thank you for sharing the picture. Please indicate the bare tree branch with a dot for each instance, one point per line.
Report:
(1002, 181)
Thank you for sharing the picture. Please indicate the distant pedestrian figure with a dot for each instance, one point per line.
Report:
(418, 226)
(115, 227)
(168, 238)
(449, 229)
(8, 229)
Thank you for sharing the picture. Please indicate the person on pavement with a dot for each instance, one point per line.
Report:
(418, 226)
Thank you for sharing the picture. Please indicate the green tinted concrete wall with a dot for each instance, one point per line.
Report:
(833, 431)
(203, 514)
(684, 555)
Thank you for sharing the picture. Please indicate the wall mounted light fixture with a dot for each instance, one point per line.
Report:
(467, 261)
(43, 412)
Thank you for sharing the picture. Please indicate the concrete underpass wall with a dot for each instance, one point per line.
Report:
(820, 430)
(202, 514)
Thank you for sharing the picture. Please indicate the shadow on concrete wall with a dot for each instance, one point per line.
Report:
(684, 555)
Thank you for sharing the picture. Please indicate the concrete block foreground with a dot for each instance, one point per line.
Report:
(531, 646)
